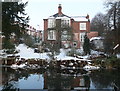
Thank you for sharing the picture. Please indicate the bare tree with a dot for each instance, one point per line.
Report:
(112, 36)
(98, 23)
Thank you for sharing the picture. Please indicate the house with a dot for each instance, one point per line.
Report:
(36, 34)
(78, 25)
(31, 31)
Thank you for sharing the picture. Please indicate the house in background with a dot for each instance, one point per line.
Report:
(80, 25)
(36, 34)
(97, 43)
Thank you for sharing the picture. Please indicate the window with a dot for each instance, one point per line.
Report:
(65, 35)
(65, 22)
(51, 23)
(82, 26)
(82, 35)
(51, 35)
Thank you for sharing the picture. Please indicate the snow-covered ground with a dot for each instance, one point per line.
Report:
(61, 55)
(28, 53)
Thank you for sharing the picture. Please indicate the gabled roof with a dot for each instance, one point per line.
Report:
(59, 15)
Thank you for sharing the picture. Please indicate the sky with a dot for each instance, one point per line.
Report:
(42, 9)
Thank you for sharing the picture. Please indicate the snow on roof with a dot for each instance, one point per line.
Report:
(80, 19)
(59, 16)
(95, 38)
(27, 53)
(64, 17)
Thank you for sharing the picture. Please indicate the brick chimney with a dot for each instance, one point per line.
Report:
(59, 9)
(87, 17)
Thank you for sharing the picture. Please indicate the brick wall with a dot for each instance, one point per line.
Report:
(92, 34)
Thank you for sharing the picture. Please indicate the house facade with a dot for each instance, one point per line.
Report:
(61, 27)
(36, 34)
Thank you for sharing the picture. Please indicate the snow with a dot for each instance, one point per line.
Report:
(63, 17)
(80, 19)
(89, 67)
(68, 58)
(62, 54)
(97, 53)
(71, 64)
(1, 87)
(14, 66)
(28, 53)
(2, 54)
(118, 55)
(95, 38)
(71, 58)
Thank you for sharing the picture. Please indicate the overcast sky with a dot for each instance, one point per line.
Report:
(42, 9)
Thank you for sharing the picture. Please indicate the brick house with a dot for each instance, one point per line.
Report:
(34, 33)
(80, 26)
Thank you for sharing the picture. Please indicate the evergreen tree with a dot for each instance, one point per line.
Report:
(13, 21)
(86, 45)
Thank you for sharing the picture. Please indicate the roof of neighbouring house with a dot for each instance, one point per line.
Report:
(96, 38)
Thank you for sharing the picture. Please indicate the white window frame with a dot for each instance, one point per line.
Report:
(51, 35)
(51, 23)
(82, 36)
(83, 26)
(65, 21)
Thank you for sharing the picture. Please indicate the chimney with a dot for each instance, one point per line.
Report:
(59, 9)
(87, 17)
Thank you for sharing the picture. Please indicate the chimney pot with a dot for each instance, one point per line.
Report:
(59, 9)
